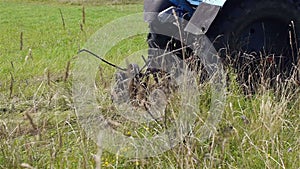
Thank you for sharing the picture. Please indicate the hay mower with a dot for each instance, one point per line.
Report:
(258, 38)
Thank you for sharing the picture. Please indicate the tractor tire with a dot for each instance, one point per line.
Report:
(258, 38)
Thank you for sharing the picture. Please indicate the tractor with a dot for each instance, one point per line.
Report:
(257, 38)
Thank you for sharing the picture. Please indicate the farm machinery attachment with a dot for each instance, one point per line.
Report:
(258, 38)
(142, 86)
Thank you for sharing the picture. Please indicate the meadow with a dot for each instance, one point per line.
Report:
(39, 41)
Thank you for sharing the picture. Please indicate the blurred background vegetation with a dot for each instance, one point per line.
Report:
(86, 2)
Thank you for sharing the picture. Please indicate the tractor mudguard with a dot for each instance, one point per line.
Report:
(153, 7)
(204, 15)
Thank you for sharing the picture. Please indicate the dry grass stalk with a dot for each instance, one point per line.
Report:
(48, 77)
(83, 15)
(12, 64)
(30, 119)
(29, 55)
(81, 27)
(25, 165)
(67, 71)
(21, 41)
(62, 18)
(11, 86)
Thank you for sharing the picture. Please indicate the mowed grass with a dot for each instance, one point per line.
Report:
(39, 128)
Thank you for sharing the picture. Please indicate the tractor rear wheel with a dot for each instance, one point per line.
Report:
(258, 38)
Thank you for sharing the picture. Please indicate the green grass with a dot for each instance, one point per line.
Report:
(81, 2)
(38, 126)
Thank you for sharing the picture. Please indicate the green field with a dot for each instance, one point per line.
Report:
(39, 41)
